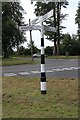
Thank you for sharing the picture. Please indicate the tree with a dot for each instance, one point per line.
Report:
(41, 9)
(66, 43)
(21, 50)
(49, 50)
(31, 45)
(70, 45)
(77, 20)
(59, 21)
(0, 30)
(11, 20)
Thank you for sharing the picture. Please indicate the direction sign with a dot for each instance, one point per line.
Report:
(42, 18)
(48, 28)
(35, 21)
(47, 15)
(38, 27)
(46, 1)
(26, 28)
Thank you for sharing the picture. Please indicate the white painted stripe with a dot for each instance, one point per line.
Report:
(49, 70)
(54, 70)
(63, 69)
(35, 72)
(23, 73)
(58, 69)
(42, 67)
(10, 74)
(68, 68)
(74, 68)
(42, 50)
(43, 86)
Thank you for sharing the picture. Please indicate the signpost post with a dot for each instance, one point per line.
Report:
(31, 41)
(43, 73)
(41, 19)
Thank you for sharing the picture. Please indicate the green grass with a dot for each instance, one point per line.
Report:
(16, 61)
(22, 98)
(63, 57)
(27, 60)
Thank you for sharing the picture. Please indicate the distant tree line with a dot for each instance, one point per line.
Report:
(27, 51)
(70, 45)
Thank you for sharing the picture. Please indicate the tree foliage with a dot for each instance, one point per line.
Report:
(49, 50)
(27, 51)
(12, 18)
(35, 49)
(70, 45)
(77, 20)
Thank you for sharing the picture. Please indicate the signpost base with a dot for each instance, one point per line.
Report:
(43, 92)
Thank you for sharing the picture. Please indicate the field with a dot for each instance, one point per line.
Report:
(64, 57)
(22, 98)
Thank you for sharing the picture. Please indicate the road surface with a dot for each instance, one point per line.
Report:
(54, 68)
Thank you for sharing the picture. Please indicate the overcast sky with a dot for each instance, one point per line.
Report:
(71, 28)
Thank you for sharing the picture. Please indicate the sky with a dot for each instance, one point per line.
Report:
(69, 23)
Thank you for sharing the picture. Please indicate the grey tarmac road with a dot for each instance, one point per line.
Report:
(53, 67)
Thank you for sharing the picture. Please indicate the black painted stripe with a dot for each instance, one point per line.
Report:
(42, 42)
(43, 92)
(43, 74)
(42, 59)
(43, 79)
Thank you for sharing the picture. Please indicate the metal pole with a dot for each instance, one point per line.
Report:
(31, 41)
(43, 74)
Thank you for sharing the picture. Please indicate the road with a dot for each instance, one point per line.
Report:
(53, 67)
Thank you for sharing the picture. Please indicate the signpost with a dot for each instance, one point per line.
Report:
(42, 28)
(43, 73)
(41, 19)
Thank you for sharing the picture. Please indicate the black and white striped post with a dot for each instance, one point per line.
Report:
(43, 73)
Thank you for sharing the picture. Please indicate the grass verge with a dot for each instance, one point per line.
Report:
(16, 61)
(64, 57)
(27, 60)
(22, 98)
